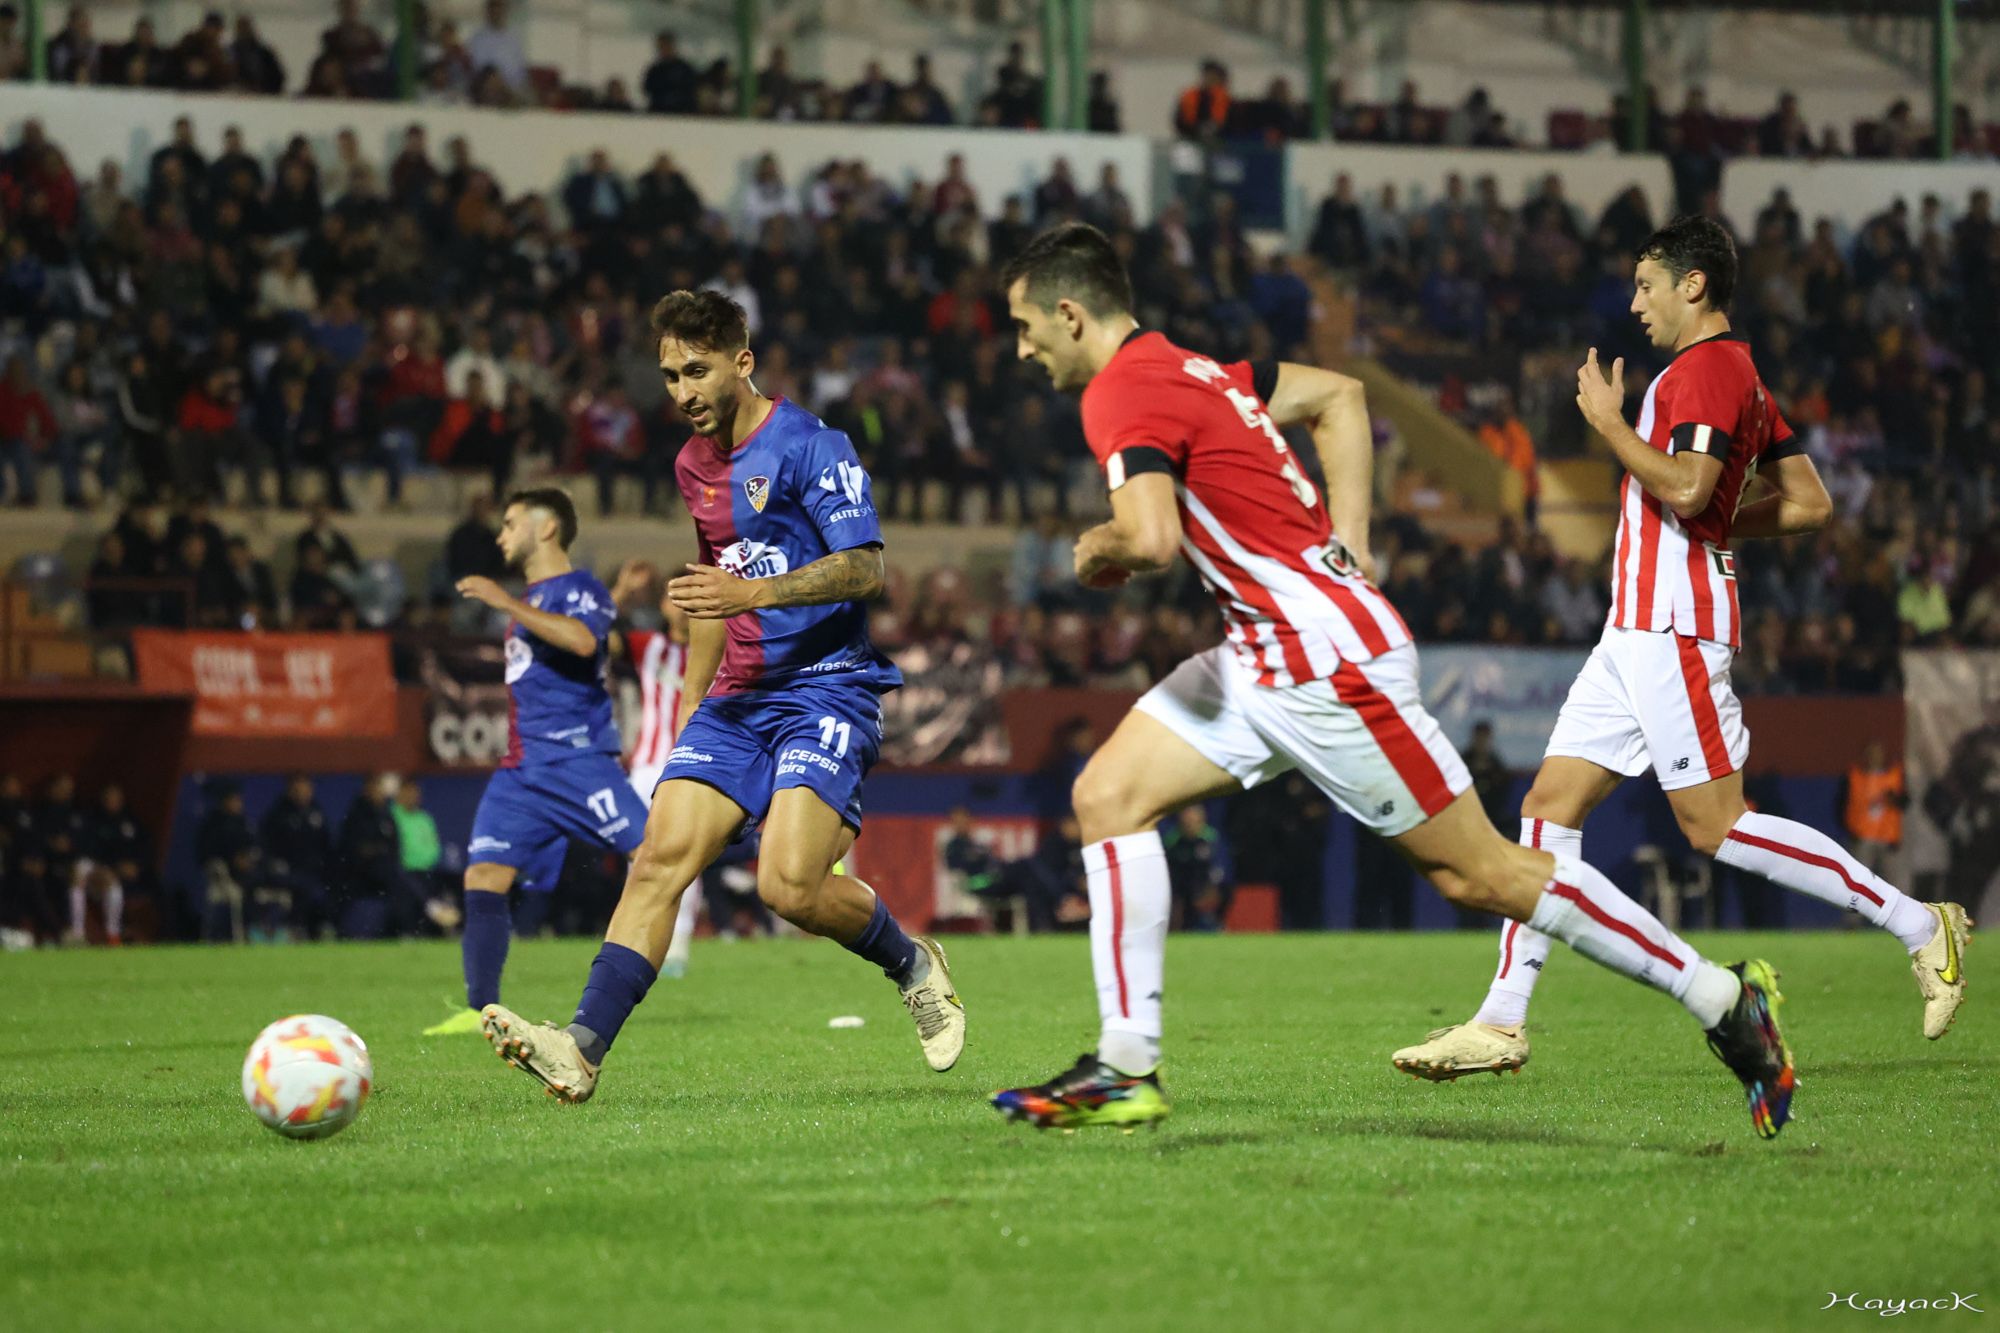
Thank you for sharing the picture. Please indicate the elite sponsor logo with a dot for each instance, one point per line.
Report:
(519, 657)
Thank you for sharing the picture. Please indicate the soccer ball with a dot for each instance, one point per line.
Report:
(306, 1076)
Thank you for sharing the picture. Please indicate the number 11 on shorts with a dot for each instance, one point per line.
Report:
(834, 735)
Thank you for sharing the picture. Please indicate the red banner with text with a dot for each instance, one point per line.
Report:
(263, 685)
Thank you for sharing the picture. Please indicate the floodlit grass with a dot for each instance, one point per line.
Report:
(744, 1167)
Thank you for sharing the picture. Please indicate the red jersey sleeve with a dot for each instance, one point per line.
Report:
(1131, 425)
(1784, 443)
(1703, 408)
(690, 488)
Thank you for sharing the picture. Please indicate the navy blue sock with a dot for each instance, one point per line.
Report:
(883, 943)
(619, 979)
(484, 945)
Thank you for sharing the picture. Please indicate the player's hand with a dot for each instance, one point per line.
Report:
(708, 593)
(1602, 401)
(1094, 571)
(484, 591)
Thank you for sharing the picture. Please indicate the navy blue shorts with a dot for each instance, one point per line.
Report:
(528, 816)
(752, 745)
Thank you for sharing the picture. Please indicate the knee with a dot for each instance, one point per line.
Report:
(658, 863)
(488, 877)
(1706, 832)
(786, 890)
(1109, 803)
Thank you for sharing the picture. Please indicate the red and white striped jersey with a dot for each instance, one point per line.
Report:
(1675, 573)
(662, 666)
(1294, 603)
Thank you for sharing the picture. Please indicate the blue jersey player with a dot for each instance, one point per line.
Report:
(561, 779)
(781, 712)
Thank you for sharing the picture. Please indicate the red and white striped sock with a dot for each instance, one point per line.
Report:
(1129, 901)
(1789, 853)
(1586, 911)
(1523, 951)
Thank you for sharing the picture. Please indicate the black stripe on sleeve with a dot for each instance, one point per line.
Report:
(1785, 448)
(1139, 458)
(1264, 378)
(1689, 437)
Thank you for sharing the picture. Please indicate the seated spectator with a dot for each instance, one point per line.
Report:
(473, 547)
(298, 856)
(231, 862)
(84, 436)
(255, 66)
(318, 602)
(28, 429)
(355, 52)
(1204, 109)
(210, 437)
(73, 53)
(1197, 877)
(320, 533)
(253, 595)
(923, 102)
(1102, 110)
(372, 900)
(670, 82)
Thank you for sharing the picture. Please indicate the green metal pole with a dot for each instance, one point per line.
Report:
(1079, 63)
(746, 58)
(1945, 35)
(38, 53)
(1316, 58)
(1637, 114)
(406, 49)
(1054, 14)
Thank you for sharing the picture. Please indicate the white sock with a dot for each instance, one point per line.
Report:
(1789, 853)
(1523, 951)
(1129, 901)
(683, 940)
(1586, 911)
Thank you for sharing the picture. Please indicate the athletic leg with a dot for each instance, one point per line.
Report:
(489, 926)
(1565, 791)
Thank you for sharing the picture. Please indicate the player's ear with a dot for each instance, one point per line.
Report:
(746, 362)
(1072, 317)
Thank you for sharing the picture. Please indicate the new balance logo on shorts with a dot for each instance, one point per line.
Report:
(1680, 765)
(1384, 810)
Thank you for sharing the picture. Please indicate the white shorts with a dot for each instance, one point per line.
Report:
(1363, 737)
(1658, 700)
(645, 779)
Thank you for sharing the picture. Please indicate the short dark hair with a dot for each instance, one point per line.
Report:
(1693, 243)
(557, 502)
(705, 319)
(1073, 261)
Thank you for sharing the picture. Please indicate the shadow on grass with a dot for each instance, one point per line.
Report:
(1508, 1132)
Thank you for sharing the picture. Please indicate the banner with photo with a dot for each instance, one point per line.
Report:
(465, 701)
(948, 711)
(256, 685)
(1951, 763)
(1519, 690)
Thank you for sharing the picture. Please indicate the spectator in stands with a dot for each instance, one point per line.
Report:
(1921, 604)
(141, 62)
(1784, 132)
(318, 601)
(13, 50)
(121, 851)
(202, 58)
(1015, 102)
(320, 534)
(30, 894)
(297, 846)
(355, 48)
(231, 863)
(73, 53)
(84, 435)
(1204, 109)
(28, 429)
(421, 852)
(922, 101)
(1196, 874)
(1275, 118)
(370, 894)
(1872, 801)
(670, 82)
(1102, 116)
(472, 548)
(969, 858)
(256, 66)
(253, 593)
(595, 198)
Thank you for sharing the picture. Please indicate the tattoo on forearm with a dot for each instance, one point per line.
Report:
(844, 576)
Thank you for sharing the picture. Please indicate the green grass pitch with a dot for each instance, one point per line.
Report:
(744, 1167)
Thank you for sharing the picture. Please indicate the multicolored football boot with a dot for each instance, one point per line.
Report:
(1088, 1093)
(1749, 1042)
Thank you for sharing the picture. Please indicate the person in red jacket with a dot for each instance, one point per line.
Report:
(27, 428)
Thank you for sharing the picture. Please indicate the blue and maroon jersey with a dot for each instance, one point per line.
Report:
(793, 493)
(557, 703)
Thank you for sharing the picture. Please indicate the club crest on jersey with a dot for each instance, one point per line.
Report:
(757, 490)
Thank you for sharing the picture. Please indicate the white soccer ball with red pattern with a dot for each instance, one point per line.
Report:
(306, 1076)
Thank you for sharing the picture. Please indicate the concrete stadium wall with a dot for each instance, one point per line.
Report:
(538, 150)
(1850, 192)
(1590, 180)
